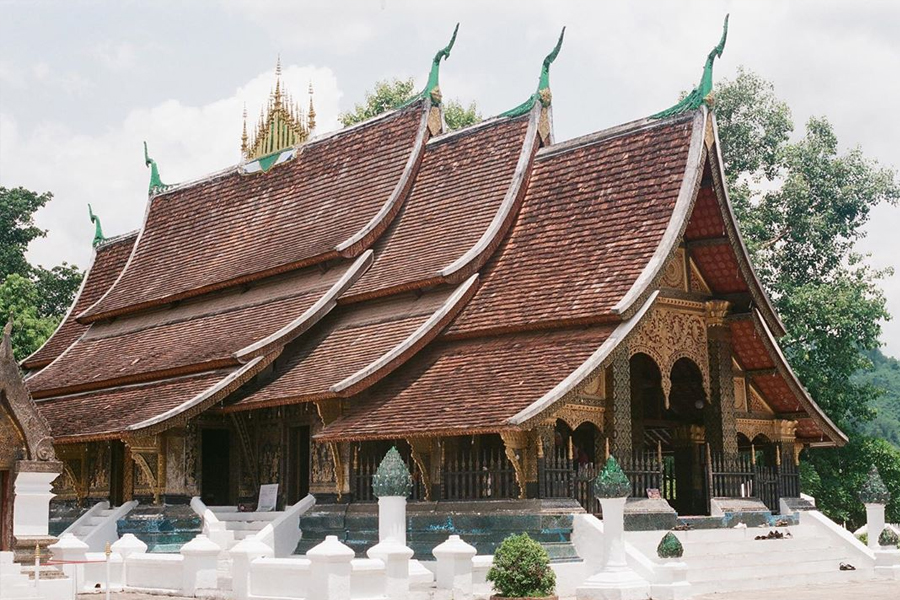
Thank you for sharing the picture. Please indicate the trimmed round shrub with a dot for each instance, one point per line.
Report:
(888, 538)
(521, 569)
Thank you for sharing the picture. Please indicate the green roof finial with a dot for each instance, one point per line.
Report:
(874, 491)
(700, 94)
(432, 89)
(98, 229)
(542, 94)
(156, 184)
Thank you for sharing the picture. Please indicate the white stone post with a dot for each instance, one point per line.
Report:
(395, 557)
(70, 548)
(126, 546)
(200, 565)
(392, 519)
(330, 570)
(874, 523)
(615, 580)
(31, 507)
(454, 567)
(242, 556)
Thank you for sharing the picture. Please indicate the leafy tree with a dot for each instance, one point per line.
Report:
(389, 95)
(17, 228)
(20, 298)
(802, 206)
(37, 298)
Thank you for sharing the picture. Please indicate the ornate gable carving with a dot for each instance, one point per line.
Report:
(672, 330)
(21, 412)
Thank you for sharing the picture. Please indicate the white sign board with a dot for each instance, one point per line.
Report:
(268, 497)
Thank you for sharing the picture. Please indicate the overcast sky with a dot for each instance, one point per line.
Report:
(82, 84)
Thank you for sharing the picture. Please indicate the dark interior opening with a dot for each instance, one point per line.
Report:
(215, 452)
(116, 473)
(298, 464)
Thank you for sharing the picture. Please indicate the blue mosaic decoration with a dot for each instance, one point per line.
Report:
(392, 477)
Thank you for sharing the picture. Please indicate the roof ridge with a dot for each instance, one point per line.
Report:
(117, 238)
(610, 133)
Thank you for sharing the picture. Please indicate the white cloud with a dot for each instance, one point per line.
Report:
(116, 57)
(107, 169)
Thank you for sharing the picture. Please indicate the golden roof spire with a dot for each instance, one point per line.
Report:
(281, 123)
(244, 137)
(311, 114)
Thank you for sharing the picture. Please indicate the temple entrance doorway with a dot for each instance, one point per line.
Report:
(297, 464)
(117, 468)
(215, 454)
(668, 432)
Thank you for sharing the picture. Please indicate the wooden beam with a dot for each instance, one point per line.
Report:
(715, 241)
(760, 372)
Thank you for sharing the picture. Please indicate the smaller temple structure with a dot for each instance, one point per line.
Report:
(28, 463)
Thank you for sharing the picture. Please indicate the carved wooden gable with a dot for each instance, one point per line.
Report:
(21, 420)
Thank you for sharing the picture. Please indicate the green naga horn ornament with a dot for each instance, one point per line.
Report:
(156, 184)
(700, 94)
(98, 229)
(612, 481)
(432, 89)
(542, 94)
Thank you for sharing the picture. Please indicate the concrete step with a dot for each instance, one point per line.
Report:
(764, 581)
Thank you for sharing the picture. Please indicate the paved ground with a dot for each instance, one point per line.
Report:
(882, 590)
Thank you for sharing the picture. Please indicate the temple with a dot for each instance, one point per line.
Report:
(505, 309)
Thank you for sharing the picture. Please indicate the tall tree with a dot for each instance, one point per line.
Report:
(35, 297)
(388, 95)
(802, 206)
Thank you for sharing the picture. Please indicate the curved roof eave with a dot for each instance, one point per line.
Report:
(838, 437)
(757, 292)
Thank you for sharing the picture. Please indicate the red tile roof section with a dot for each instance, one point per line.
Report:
(706, 218)
(466, 386)
(109, 259)
(109, 412)
(193, 336)
(237, 227)
(719, 267)
(353, 342)
(460, 187)
(592, 218)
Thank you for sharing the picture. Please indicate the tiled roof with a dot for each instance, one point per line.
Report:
(237, 227)
(354, 338)
(109, 259)
(192, 336)
(93, 414)
(593, 216)
(466, 386)
(458, 191)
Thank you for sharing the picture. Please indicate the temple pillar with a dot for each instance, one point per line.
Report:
(521, 450)
(619, 381)
(719, 417)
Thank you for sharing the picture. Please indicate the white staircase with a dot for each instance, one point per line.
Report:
(99, 525)
(727, 560)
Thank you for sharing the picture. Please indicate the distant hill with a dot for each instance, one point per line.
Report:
(885, 375)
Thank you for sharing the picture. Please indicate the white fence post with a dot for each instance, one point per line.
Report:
(126, 546)
(330, 570)
(242, 556)
(70, 548)
(201, 560)
(874, 523)
(395, 557)
(454, 567)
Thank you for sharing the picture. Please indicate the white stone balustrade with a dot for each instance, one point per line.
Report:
(330, 570)
(243, 556)
(395, 556)
(200, 564)
(455, 567)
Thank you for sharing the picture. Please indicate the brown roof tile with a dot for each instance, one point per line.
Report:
(112, 411)
(593, 216)
(463, 386)
(352, 340)
(458, 190)
(190, 336)
(233, 227)
(109, 259)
